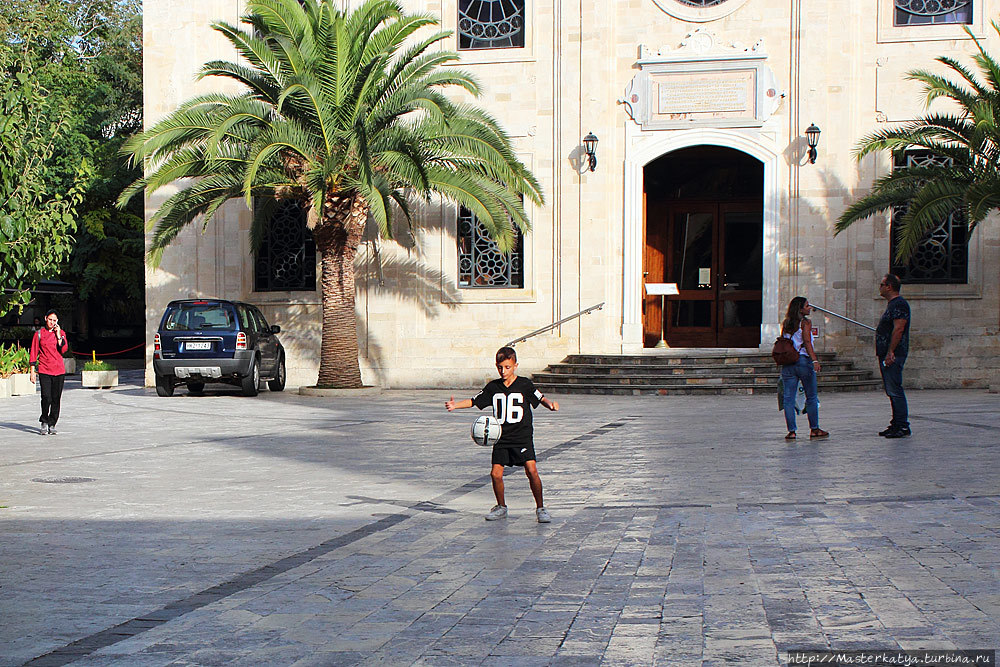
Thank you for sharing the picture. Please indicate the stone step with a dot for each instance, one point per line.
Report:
(687, 390)
(757, 359)
(674, 370)
(770, 379)
(700, 373)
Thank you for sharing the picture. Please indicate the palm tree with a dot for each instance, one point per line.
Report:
(345, 113)
(964, 177)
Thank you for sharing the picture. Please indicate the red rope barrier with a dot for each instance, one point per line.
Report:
(109, 354)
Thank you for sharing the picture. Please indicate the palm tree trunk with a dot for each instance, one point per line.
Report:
(338, 236)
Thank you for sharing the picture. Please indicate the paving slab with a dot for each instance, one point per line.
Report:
(288, 529)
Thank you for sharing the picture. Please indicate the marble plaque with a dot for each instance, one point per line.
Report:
(703, 83)
(718, 94)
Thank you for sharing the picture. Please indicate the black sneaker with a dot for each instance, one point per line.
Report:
(887, 430)
(898, 433)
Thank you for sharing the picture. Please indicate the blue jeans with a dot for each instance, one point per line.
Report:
(801, 371)
(892, 380)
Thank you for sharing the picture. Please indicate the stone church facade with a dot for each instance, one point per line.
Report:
(703, 178)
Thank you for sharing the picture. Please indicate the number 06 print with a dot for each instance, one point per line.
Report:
(508, 408)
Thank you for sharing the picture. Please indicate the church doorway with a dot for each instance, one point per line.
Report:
(704, 230)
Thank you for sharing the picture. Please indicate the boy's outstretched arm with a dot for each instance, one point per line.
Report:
(452, 405)
(551, 405)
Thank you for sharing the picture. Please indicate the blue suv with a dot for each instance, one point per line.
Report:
(212, 340)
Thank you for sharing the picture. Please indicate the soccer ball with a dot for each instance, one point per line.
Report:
(486, 431)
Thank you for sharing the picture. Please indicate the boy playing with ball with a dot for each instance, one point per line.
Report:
(512, 398)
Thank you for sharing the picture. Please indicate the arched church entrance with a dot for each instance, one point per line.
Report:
(704, 230)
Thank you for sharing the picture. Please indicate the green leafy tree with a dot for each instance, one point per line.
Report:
(346, 113)
(968, 176)
(72, 93)
(36, 219)
(107, 263)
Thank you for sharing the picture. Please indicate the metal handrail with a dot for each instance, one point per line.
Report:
(554, 324)
(830, 312)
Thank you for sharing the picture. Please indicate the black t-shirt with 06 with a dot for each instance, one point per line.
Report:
(512, 407)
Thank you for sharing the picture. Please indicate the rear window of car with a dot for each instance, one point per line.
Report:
(194, 316)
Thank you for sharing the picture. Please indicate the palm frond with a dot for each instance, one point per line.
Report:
(982, 197)
(937, 86)
(253, 49)
(333, 101)
(262, 84)
(931, 204)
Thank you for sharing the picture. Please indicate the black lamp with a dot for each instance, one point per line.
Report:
(590, 145)
(812, 138)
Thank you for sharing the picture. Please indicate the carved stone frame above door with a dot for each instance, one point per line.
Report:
(703, 83)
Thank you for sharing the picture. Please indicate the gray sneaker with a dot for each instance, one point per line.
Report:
(52, 429)
(542, 515)
(43, 428)
(498, 512)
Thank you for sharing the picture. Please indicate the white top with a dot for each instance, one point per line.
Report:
(798, 343)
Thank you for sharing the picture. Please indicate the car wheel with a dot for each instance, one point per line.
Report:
(196, 387)
(164, 385)
(251, 381)
(278, 383)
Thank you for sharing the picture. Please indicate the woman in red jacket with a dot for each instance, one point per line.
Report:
(47, 347)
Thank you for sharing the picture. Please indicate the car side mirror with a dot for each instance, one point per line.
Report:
(275, 329)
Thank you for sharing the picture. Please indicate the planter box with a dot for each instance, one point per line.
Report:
(21, 384)
(5, 384)
(99, 378)
(69, 364)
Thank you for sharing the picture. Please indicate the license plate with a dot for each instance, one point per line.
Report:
(198, 346)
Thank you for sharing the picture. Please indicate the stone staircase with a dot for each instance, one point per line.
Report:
(700, 373)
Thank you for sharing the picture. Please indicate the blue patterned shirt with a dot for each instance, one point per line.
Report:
(897, 309)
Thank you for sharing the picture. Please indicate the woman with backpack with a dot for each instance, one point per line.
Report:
(47, 348)
(798, 328)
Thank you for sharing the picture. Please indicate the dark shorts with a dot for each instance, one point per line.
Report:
(513, 456)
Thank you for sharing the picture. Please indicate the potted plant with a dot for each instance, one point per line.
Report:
(21, 384)
(99, 374)
(6, 370)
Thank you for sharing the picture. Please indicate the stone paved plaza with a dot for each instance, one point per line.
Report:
(289, 530)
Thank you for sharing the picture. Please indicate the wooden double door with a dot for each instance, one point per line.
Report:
(714, 252)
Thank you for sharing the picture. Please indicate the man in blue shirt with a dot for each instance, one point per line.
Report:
(892, 344)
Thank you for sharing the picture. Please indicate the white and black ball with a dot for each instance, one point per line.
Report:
(486, 431)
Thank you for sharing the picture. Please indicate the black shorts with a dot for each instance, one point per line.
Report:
(517, 455)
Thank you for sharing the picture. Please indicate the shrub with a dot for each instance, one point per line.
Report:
(20, 359)
(13, 359)
(99, 365)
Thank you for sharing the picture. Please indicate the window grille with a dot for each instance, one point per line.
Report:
(930, 12)
(286, 259)
(490, 24)
(701, 3)
(943, 256)
(480, 262)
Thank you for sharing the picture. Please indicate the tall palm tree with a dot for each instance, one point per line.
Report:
(965, 177)
(345, 113)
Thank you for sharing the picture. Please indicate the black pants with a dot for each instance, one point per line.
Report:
(52, 386)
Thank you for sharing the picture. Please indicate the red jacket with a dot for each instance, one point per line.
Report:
(46, 350)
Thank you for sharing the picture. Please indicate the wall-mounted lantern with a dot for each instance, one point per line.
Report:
(590, 145)
(812, 138)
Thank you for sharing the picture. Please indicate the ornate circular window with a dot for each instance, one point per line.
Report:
(922, 12)
(699, 11)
